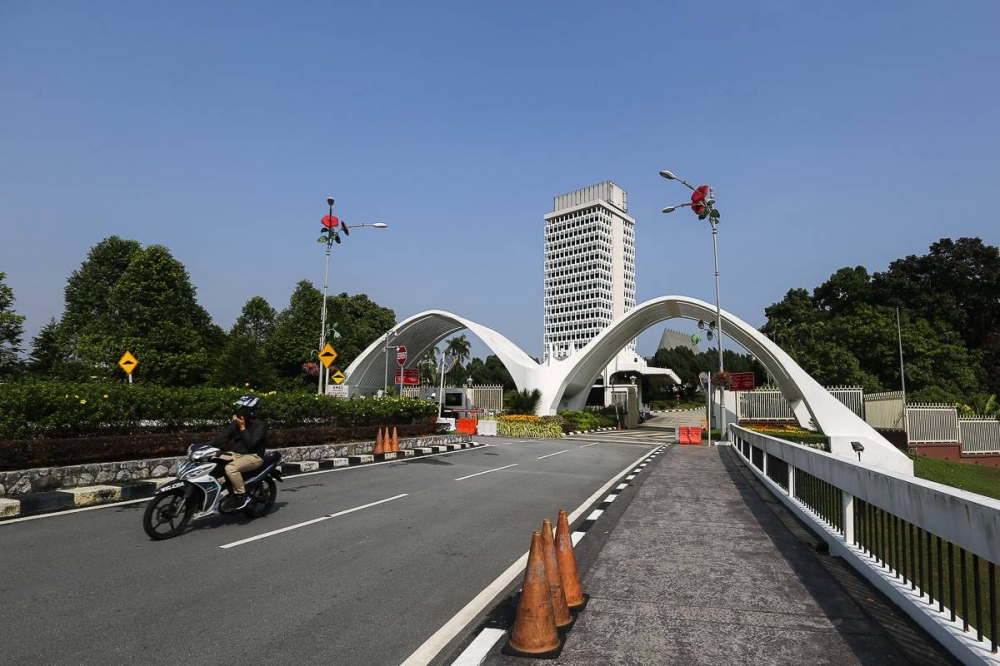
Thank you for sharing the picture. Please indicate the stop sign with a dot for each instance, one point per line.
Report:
(401, 355)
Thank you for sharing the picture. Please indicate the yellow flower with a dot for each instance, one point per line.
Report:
(105, 396)
(83, 402)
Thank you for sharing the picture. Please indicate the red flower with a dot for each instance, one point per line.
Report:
(698, 199)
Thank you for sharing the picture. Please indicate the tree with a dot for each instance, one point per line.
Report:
(244, 359)
(458, 348)
(292, 341)
(490, 372)
(48, 350)
(521, 403)
(11, 329)
(359, 321)
(428, 367)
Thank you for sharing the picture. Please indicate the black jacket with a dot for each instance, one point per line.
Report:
(252, 440)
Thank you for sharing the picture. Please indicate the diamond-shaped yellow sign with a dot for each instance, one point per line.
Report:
(328, 355)
(128, 362)
(338, 377)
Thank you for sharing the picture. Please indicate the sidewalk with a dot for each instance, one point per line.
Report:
(704, 567)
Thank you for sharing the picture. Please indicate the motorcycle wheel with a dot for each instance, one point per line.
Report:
(167, 515)
(263, 496)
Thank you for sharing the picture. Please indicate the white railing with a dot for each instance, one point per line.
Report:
(979, 434)
(885, 410)
(931, 423)
(862, 512)
(770, 405)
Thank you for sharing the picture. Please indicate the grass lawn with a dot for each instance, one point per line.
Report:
(974, 478)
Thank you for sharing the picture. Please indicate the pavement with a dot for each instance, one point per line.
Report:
(704, 566)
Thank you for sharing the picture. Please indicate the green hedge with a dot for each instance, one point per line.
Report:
(63, 409)
(586, 420)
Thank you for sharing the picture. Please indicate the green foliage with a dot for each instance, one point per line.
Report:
(490, 372)
(980, 405)
(296, 331)
(244, 360)
(66, 409)
(521, 403)
(11, 328)
(529, 426)
(458, 348)
(845, 331)
(583, 420)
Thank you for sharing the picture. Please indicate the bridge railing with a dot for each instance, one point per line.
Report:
(931, 548)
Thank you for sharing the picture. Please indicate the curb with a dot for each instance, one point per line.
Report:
(33, 504)
(584, 432)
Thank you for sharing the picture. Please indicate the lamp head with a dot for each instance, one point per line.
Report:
(858, 446)
(669, 209)
(329, 201)
(666, 174)
(380, 225)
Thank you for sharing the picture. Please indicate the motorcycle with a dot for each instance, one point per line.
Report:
(202, 489)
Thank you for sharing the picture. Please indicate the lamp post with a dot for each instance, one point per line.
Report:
(330, 235)
(703, 205)
(385, 390)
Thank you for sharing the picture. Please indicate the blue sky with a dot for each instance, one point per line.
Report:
(834, 135)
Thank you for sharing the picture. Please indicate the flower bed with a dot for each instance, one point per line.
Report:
(521, 425)
(789, 432)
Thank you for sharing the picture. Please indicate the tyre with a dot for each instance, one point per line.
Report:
(167, 515)
(263, 495)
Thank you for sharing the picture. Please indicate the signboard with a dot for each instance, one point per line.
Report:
(328, 355)
(411, 376)
(338, 377)
(128, 362)
(401, 355)
(337, 391)
(741, 381)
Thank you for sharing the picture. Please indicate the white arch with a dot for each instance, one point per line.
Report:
(566, 383)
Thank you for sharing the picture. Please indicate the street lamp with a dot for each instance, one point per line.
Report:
(393, 333)
(703, 205)
(331, 235)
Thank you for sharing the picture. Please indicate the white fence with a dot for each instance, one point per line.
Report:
(488, 397)
(850, 506)
(979, 435)
(885, 410)
(770, 405)
(930, 423)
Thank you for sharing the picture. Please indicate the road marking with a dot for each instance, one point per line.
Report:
(622, 486)
(553, 454)
(586, 445)
(630, 477)
(479, 648)
(610, 498)
(462, 478)
(433, 645)
(310, 522)
(595, 514)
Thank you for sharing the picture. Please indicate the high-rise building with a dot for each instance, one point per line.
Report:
(589, 268)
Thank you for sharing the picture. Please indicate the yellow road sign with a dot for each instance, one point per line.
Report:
(328, 355)
(128, 362)
(338, 377)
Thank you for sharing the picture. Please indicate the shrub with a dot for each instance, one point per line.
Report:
(525, 425)
(581, 420)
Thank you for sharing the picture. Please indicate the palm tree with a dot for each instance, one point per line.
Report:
(428, 367)
(459, 348)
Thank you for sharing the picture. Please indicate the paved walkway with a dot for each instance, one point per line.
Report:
(704, 567)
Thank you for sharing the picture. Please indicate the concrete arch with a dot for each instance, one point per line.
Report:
(566, 383)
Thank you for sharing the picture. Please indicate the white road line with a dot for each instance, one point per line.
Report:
(630, 477)
(479, 648)
(109, 505)
(611, 498)
(310, 522)
(595, 514)
(621, 486)
(430, 648)
(586, 445)
(462, 478)
(552, 454)
(576, 536)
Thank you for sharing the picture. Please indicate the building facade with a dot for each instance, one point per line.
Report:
(589, 268)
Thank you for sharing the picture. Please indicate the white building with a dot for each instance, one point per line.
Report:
(589, 268)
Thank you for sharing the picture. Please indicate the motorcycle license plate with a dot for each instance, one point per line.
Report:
(171, 486)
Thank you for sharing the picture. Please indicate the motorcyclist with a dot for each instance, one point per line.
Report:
(244, 441)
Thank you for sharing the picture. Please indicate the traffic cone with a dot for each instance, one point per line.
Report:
(534, 633)
(566, 558)
(564, 620)
(379, 449)
(395, 440)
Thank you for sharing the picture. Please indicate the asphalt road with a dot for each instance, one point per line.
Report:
(367, 586)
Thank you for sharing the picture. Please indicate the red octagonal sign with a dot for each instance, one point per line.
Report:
(401, 354)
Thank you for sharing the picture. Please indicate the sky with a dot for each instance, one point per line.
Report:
(833, 134)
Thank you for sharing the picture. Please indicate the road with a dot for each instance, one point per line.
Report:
(353, 566)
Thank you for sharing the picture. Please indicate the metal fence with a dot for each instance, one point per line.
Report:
(931, 423)
(979, 434)
(885, 410)
(488, 397)
(770, 405)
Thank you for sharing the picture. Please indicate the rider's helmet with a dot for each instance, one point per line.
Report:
(248, 406)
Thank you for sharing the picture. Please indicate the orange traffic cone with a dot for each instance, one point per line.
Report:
(379, 449)
(567, 564)
(559, 606)
(395, 440)
(534, 633)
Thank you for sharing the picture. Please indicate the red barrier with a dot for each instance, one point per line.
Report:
(683, 435)
(466, 426)
(694, 435)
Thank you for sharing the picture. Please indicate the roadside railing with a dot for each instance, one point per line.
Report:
(930, 548)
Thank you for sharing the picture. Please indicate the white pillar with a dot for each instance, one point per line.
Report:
(791, 481)
(848, 505)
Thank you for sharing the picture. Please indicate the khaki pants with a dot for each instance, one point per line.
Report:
(240, 463)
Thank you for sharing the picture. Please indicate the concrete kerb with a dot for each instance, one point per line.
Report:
(31, 504)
